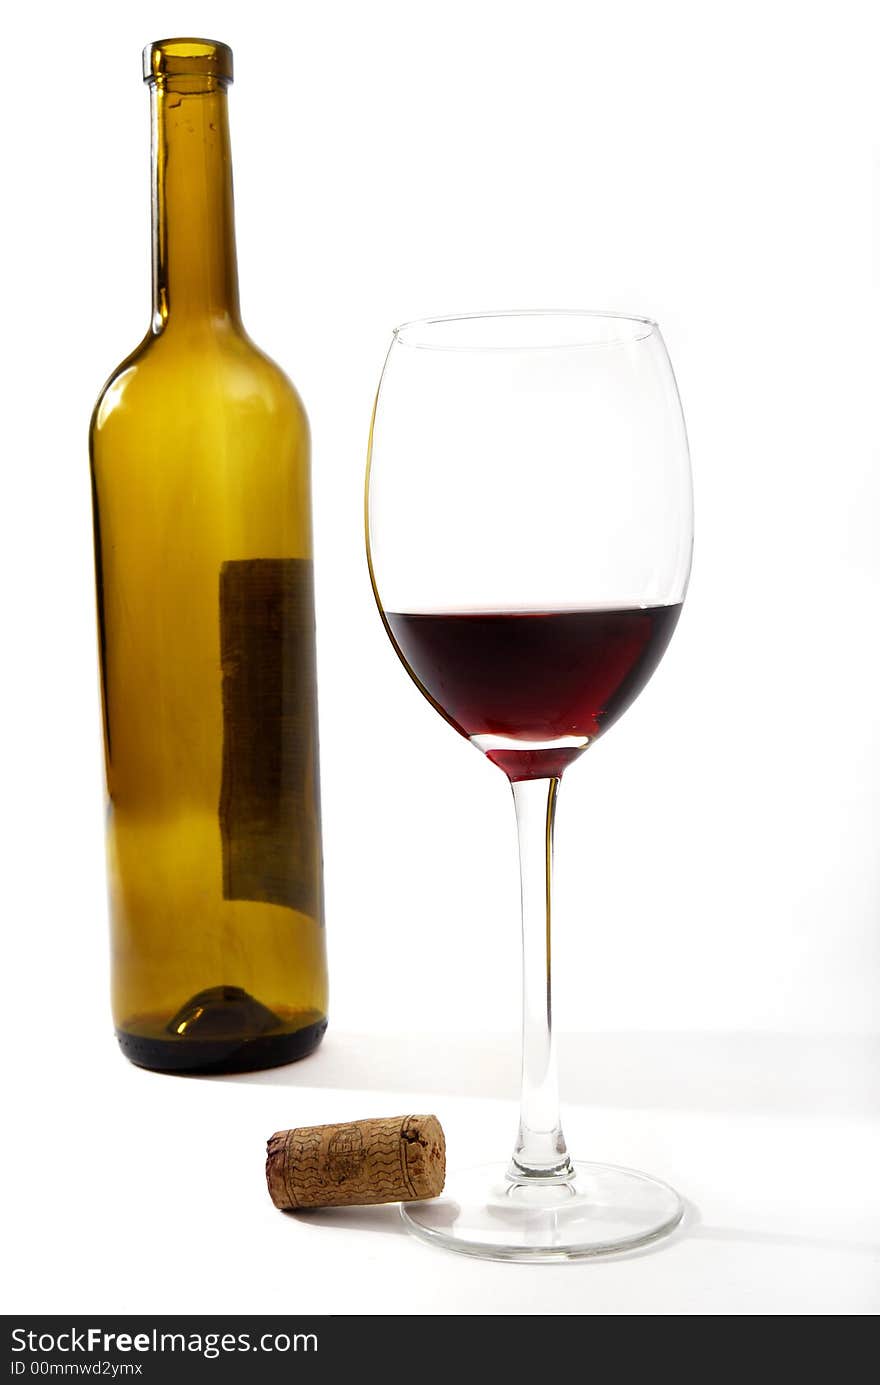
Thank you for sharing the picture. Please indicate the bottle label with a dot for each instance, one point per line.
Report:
(269, 800)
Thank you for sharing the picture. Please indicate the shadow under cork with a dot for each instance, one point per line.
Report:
(385, 1218)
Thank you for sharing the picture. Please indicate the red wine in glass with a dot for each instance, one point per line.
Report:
(533, 689)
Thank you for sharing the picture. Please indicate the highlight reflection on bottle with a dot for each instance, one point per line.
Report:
(203, 546)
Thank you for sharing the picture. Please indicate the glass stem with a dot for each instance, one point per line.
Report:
(540, 1150)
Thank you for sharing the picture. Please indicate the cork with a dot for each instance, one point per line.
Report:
(398, 1159)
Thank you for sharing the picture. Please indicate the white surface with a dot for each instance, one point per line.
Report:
(146, 1193)
(705, 164)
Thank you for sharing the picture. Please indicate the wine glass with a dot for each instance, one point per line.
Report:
(529, 533)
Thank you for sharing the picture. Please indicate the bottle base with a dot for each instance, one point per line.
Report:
(216, 1055)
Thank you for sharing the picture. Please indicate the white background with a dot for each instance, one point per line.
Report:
(717, 940)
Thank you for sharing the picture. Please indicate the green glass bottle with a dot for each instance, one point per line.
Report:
(203, 548)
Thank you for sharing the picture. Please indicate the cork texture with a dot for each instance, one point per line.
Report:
(394, 1159)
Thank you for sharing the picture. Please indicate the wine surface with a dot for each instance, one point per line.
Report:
(533, 689)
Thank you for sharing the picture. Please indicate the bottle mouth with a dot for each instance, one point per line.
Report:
(187, 57)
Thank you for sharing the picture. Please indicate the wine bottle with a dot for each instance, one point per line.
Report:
(201, 488)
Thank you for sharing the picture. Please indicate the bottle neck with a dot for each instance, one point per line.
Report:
(195, 276)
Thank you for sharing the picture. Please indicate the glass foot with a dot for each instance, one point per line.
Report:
(602, 1210)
